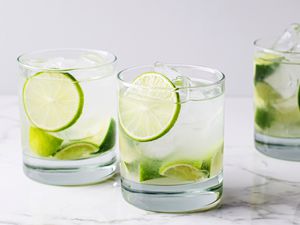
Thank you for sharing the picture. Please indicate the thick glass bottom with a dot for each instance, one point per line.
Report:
(70, 173)
(199, 196)
(280, 148)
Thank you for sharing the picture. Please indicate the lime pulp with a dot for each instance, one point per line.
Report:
(53, 101)
(149, 108)
(76, 150)
(184, 170)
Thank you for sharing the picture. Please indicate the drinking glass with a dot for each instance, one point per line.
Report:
(277, 100)
(171, 136)
(67, 113)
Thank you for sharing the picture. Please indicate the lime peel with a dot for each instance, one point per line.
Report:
(105, 139)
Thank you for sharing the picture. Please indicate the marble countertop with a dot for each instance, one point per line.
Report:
(257, 190)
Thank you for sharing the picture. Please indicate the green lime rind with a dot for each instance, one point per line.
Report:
(187, 170)
(265, 65)
(109, 140)
(42, 143)
(76, 150)
(299, 98)
(76, 114)
(264, 117)
(171, 122)
(105, 138)
(149, 169)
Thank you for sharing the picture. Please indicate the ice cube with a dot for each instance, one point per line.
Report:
(285, 80)
(86, 60)
(59, 63)
(289, 40)
(166, 70)
(93, 59)
(204, 90)
(183, 83)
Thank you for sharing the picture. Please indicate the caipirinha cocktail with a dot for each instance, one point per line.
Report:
(171, 128)
(67, 114)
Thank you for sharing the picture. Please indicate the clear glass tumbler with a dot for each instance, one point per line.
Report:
(277, 100)
(171, 136)
(67, 112)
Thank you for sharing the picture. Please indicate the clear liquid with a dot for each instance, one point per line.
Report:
(97, 110)
(276, 101)
(196, 137)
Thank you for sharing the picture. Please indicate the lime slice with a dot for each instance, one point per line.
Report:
(166, 181)
(265, 65)
(149, 108)
(149, 169)
(53, 101)
(106, 137)
(77, 150)
(42, 143)
(265, 93)
(184, 170)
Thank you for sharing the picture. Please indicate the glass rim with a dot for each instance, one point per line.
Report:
(257, 43)
(32, 67)
(219, 81)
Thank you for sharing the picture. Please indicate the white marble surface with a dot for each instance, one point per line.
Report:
(257, 190)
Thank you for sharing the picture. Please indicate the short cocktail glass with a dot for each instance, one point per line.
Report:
(171, 136)
(277, 96)
(67, 105)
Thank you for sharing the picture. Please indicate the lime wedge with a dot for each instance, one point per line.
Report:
(214, 164)
(76, 150)
(265, 65)
(206, 164)
(266, 93)
(42, 143)
(53, 101)
(149, 108)
(106, 137)
(264, 117)
(149, 169)
(299, 98)
(184, 170)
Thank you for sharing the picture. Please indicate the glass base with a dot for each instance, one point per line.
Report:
(192, 197)
(70, 173)
(280, 148)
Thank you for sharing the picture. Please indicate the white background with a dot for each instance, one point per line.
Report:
(215, 33)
